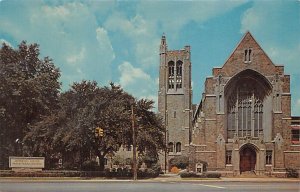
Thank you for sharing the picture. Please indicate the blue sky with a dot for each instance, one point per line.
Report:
(119, 40)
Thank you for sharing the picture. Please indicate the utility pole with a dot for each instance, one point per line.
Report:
(134, 145)
(166, 148)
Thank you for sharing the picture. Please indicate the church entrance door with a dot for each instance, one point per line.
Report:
(247, 159)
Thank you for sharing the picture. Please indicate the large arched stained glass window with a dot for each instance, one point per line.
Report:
(247, 94)
(245, 111)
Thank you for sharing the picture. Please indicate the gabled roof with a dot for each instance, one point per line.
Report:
(245, 38)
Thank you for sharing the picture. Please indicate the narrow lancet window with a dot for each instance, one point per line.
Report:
(247, 55)
(178, 74)
(171, 71)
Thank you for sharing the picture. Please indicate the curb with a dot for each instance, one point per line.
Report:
(164, 180)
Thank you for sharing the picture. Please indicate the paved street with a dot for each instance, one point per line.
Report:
(145, 186)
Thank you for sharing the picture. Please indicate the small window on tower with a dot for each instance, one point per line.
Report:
(178, 147)
(170, 147)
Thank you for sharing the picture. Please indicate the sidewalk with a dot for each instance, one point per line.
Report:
(161, 178)
(177, 178)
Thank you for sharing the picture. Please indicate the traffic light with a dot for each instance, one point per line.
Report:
(98, 132)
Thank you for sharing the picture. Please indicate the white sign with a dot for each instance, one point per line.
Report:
(27, 162)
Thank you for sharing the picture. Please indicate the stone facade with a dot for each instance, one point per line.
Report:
(243, 121)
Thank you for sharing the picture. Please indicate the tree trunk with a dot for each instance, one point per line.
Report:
(101, 162)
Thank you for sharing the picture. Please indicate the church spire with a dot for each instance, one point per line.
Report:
(163, 44)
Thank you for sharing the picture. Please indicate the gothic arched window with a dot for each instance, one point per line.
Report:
(178, 147)
(179, 74)
(258, 117)
(247, 55)
(170, 147)
(245, 111)
(171, 71)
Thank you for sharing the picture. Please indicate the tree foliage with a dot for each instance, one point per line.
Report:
(150, 137)
(84, 107)
(37, 120)
(29, 89)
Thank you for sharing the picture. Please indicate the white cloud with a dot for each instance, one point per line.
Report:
(68, 32)
(287, 56)
(276, 27)
(136, 81)
(178, 13)
(76, 58)
(131, 75)
(141, 32)
(252, 19)
(145, 26)
(104, 43)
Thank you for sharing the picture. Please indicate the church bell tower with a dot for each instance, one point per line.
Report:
(174, 97)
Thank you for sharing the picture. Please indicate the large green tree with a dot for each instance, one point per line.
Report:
(71, 129)
(149, 131)
(29, 89)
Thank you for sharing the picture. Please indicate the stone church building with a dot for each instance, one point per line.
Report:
(243, 123)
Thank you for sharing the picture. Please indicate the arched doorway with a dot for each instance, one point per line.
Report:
(247, 159)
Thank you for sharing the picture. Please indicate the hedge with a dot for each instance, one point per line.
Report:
(113, 173)
(195, 175)
(291, 173)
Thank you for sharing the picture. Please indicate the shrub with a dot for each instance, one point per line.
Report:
(68, 166)
(147, 173)
(45, 173)
(291, 173)
(89, 165)
(179, 161)
(120, 172)
(127, 172)
(152, 173)
(195, 175)
(92, 174)
(71, 173)
(107, 172)
(6, 173)
(188, 174)
(113, 172)
(156, 167)
(149, 160)
(213, 175)
(174, 170)
(130, 173)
